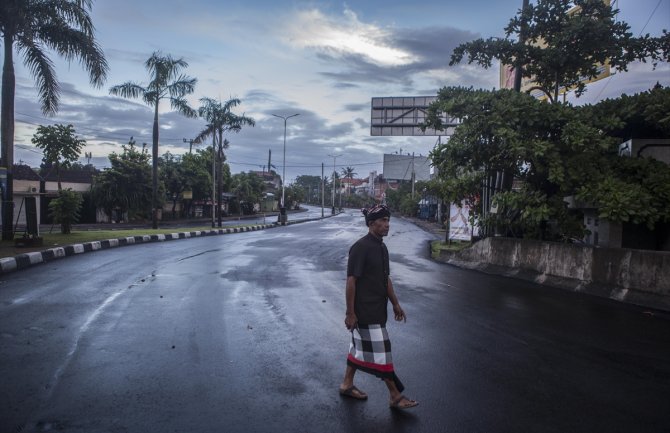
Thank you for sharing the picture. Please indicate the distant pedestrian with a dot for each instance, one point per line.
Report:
(368, 290)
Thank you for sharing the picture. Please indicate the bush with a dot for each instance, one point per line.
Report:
(65, 209)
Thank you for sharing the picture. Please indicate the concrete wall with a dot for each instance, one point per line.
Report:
(636, 276)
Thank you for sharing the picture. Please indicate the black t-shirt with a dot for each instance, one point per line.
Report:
(369, 263)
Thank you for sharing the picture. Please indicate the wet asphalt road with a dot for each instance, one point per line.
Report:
(245, 333)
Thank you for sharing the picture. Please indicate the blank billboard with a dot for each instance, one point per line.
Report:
(399, 167)
(404, 116)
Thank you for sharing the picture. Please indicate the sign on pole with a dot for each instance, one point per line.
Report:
(459, 223)
(404, 116)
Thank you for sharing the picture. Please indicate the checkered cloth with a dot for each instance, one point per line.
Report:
(370, 351)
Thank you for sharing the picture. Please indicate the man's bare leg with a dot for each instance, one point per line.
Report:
(348, 383)
(397, 399)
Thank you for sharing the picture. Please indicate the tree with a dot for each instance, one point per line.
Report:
(348, 173)
(60, 146)
(197, 171)
(311, 184)
(248, 187)
(553, 151)
(65, 209)
(558, 49)
(220, 119)
(547, 147)
(295, 194)
(34, 27)
(172, 177)
(166, 83)
(126, 185)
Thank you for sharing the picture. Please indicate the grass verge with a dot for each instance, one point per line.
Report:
(51, 240)
(437, 246)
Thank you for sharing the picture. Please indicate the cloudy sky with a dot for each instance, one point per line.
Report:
(322, 59)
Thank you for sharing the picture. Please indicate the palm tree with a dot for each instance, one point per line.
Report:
(166, 83)
(349, 173)
(220, 119)
(34, 27)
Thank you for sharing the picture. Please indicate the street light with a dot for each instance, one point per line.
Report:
(283, 176)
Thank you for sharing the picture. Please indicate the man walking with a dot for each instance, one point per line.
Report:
(368, 290)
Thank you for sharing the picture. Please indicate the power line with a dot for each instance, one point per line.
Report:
(602, 89)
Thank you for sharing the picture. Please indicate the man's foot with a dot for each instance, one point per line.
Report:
(402, 402)
(354, 393)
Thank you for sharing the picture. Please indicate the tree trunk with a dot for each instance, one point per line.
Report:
(7, 137)
(220, 179)
(154, 171)
(60, 187)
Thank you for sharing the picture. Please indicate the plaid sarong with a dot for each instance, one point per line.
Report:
(370, 351)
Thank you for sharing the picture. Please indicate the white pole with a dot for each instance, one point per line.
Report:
(283, 176)
(213, 177)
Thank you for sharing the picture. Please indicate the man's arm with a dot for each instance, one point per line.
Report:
(397, 310)
(350, 320)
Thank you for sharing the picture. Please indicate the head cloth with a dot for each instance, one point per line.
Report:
(376, 212)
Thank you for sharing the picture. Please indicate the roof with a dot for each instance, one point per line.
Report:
(265, 175)
(23, 172)
(353, 182)
(72, 176)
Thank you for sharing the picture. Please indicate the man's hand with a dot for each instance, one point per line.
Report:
(399, 313)
(351, 321)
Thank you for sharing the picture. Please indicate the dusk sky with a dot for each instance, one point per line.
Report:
(322, 59)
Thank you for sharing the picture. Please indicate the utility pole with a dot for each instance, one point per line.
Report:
(190, 144)
(334, 159)
(323, 191)
(413, 176)
(522, 40)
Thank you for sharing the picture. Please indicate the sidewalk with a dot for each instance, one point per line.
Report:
(433, 227)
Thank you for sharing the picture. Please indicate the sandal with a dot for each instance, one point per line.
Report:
(354, 393)
(395, 404)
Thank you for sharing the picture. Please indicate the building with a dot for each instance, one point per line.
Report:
(604, 233)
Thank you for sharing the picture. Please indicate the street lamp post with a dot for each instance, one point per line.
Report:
(282, 209)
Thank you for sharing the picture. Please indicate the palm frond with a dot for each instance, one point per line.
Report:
(42, 70)
(181, 105)
(128, 90)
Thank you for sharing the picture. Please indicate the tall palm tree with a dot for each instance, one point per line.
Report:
(349, 173)
(167, 82)
(33, 27)
(220, 119)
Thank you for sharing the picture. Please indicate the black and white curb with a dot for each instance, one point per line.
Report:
(22, 261)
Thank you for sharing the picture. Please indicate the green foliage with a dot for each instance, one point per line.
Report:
(553, 151)
(558, 49)
(65, 209)
(409, 206)
(196, 173)
(633, 190)
(644, 115)
(220, 119)
(248, 187)
(311, 184)
(126, 185)
(59, 143)
(60, 146)
(38, 28)
(294, 194)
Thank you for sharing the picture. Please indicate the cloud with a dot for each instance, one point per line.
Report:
(357, 53)
(349, 36)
